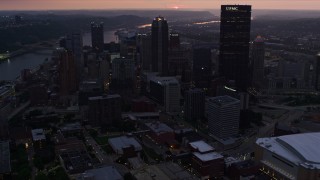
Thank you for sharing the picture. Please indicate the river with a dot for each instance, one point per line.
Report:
(10, 69)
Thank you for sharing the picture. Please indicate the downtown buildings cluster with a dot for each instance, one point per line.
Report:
(162, 108)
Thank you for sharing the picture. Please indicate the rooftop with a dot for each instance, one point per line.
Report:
(159, 128)
(76, 161)
(105, 97)
(165, 80)
(71, 127)
(38, 134)
(163, 171)
(223, 100)
(4, 157)
(299, 149)
(118, 143)
(102, 173)
(207, 156)
(201, 146)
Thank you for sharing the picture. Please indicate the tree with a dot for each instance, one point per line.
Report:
(41, 176)
(38, 162)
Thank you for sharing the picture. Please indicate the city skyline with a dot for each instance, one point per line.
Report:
(154, 4)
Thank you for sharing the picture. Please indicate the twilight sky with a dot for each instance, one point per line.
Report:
(153, 4)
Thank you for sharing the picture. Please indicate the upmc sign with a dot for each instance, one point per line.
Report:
(231, 8)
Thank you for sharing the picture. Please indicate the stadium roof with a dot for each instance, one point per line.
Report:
(300, 149)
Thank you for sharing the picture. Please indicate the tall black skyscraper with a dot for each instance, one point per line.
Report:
(97, 37)
(202, 66)
(257, 55)
(234, 44)
(160, 42)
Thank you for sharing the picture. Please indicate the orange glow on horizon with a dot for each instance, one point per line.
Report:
(153, 4)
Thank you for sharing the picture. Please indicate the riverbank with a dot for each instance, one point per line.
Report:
(45, 45)
(11, 69)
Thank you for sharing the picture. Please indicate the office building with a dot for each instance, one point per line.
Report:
(74, 43)
(67, 71)
(166, 91)
(89, 88)
(223, 116)
(97, 37)
(160, 132)
(202, 66)
(174, 41)
(159, 44)
(123, 72)
(125, 146)
(289, 157)
(258, 51)
(128, 44)
(205, 161)
(179, 58)
(144, 51)
(234, 44)
(194, 107)
(104, 110)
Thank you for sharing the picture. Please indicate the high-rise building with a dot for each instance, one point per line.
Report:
(67, 71)
(97, 37)
(104, 110)
(166, 91)
(258, 51)
(194, 107)
(74, 43)
(223, 116)
(159, 44)
(317, 70)
(174, 40)
(123, 72)
(202, 66)
(234, 44)
(178, 59)
(144, 51)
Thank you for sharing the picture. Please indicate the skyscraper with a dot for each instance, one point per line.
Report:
(144, 51)
(67, 71)
(123, 72)
(234, 44)
(174, 40)
(104, 110)
(97, 37)
(160, 43)
(194, 107)
(223, 116)
(202, 66)
(166, 91)
(74, 43)
(258, 61)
